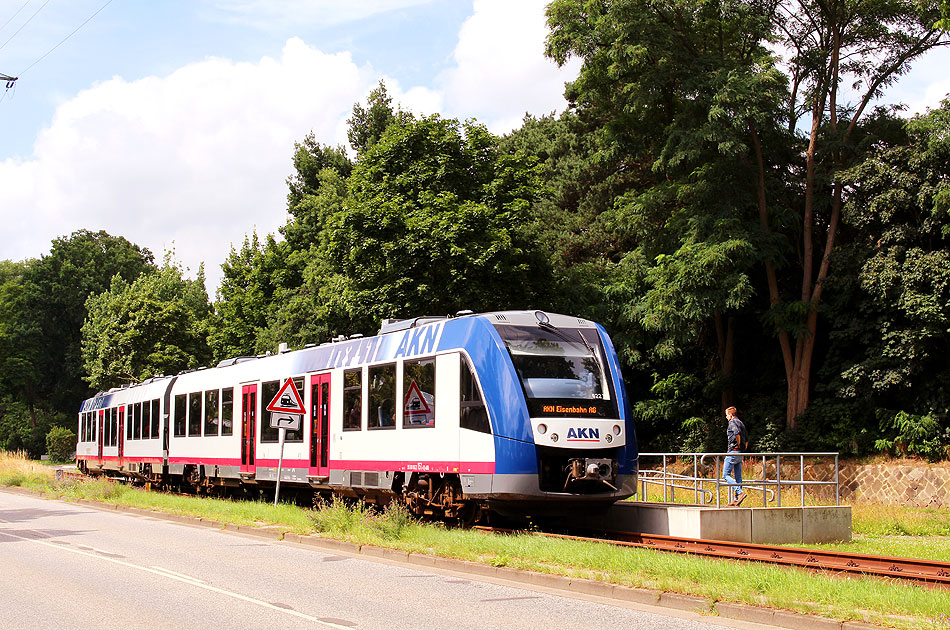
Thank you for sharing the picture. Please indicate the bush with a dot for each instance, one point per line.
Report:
(60, 444)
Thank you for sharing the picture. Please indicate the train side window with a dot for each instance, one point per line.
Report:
(181, 408)
(268, 391)
(352, 400)
(137, 421)
(418, 391)
(382, 396)
(297, 436)
(227, 411)
(211, 413)
(156, 418)
(129, 425)
(472, 415)
(194, 414)
(146, 419)
(114, 427)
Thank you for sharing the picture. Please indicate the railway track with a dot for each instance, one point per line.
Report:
(909, 569)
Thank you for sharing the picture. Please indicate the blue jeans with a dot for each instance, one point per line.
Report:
(732, 473)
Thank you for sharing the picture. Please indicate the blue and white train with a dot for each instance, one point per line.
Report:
(519, 412)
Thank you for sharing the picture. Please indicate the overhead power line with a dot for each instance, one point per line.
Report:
(22, 26)
(88, 19)
(15, 14)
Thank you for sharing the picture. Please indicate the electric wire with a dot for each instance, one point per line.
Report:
(22, 26)
(63, 41)
(15, 14)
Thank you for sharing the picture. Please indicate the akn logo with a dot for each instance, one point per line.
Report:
(583, 434)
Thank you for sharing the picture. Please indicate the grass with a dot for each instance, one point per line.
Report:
(872, 600)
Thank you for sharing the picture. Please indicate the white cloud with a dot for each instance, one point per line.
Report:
(198, 158)
(194, 160)
(501, 71)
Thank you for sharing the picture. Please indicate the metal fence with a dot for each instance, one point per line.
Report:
(671, 471)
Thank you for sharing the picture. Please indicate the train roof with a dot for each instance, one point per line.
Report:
(342, 351)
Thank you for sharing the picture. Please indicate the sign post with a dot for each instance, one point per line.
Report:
(286, 413)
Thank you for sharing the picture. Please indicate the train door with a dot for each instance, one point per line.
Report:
(121, 435)
(319, 425)
(248, 427)
(102, 421)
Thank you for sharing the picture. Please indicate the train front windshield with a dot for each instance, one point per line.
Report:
(563, 371)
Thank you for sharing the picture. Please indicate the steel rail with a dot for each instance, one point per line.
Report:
(911, 569)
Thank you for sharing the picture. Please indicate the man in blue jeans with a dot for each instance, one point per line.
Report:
(737, 442)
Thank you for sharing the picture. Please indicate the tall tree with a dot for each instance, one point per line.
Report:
(899, 206)
(683, 87)
(434, 221)
(50, 310)
(155, 325)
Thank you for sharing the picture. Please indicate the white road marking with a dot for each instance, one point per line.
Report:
(179, 577)
(188, 578)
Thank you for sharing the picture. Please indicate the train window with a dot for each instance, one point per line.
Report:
(181, 408)
(211, 412)
(472, 415)
(382, 396)
(194, 414)
(129, 425)
(114, 426)
(418, 387)
(137, 421)
(268, 391)
(156, 418)
(352, 400)
(227, 411)
(297, 436)
(146, 419)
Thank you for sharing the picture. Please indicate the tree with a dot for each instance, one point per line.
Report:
(368, 124)
(899, 205)
(44, 309)
(155, 325)
(434, 222)
(681, 88)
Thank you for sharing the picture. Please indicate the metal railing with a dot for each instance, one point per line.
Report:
(705, 487)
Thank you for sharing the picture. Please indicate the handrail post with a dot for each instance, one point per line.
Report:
(695, 479)
(837, 483)
(778, 480)
(665, 480)
(801, 477)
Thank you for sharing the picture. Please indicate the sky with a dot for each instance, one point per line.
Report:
(173, 123)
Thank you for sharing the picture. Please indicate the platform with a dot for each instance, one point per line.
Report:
(772, 525)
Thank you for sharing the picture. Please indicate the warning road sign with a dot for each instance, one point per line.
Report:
(415, 403)
(287, 400)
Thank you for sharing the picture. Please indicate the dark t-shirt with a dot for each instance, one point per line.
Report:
(734, 431)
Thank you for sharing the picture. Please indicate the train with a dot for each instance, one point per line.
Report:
(513, 412)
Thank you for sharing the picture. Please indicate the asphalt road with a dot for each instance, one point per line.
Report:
(66, 565)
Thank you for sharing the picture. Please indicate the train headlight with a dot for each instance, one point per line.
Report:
(616, 429)
(542, 428)
(554, 437)
(609, 438)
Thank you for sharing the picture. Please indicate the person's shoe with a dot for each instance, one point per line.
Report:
(741, 498)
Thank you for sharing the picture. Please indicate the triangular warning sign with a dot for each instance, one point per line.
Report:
(287, 400)
(415, 403)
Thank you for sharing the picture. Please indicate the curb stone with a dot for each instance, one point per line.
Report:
(677, 601)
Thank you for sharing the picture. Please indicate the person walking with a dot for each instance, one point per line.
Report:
(737, 441)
